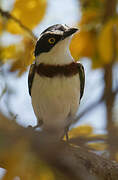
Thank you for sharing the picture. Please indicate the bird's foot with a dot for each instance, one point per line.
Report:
(66, 133)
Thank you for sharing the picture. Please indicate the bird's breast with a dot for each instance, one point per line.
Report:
(54, 99)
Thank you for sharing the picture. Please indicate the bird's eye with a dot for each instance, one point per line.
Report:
(51, 40)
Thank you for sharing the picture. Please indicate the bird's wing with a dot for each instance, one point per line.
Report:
(82, 78)
(31, 76)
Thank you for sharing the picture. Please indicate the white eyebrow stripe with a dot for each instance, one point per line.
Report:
(57, 32)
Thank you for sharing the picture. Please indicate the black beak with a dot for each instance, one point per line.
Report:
(69, 32)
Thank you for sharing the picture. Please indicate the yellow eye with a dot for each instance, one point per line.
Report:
(51, 40)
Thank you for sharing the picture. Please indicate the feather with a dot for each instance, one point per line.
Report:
(31, 76)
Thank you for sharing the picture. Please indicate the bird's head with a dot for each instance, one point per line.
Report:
(54, 39)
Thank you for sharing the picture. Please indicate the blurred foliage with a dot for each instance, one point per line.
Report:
(94, 40)
(98, 146)
(29, 12)
(84, 130)
(25, 15)
(21, 54)
(85, 134)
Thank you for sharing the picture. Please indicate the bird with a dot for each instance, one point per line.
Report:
(55, 81)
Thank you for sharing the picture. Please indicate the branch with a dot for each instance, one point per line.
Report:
(95, 104)
(10, 16)
(73, 161)
(110, 11)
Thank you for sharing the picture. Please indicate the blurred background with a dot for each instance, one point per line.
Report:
(16, 100)
(95, 46)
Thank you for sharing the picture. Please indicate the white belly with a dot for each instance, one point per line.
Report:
(54, 99)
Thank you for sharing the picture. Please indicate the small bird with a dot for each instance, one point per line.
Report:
(55, 81)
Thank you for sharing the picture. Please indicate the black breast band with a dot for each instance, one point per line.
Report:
(50, 71)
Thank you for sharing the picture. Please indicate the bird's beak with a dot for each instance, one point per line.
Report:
(69, 32)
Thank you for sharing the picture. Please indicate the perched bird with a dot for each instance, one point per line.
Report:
(56, 82)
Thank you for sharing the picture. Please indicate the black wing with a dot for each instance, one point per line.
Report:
(31, 76)
(82, 78)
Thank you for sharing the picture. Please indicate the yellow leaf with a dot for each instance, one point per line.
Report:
(46, 174)
(96, 61)
(1, 25)
(21, 55)
(80, 131)
(13, 27)
(15, 159)
(82, 45)
(96, 64)
(29, 12)
(105, 42)
(117, 40)
(98, 146)
(99, 136)
(7, 52)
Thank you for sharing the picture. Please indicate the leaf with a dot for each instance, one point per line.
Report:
(46, 173)
(7, 52)
(98, 146)
(1, 25)
(96, 61)
(15, 155)
(82, 45)
(98, 136)
(106, 42)
(21, 55)
(84, 130)
(29, 12)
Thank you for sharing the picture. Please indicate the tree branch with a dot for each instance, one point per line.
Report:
(72, 161)
(110, 11)
(10, 16)
(95, 104)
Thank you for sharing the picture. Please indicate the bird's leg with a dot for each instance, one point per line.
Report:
(66, 133)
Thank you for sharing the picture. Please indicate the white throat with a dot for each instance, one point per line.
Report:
(59, 54)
